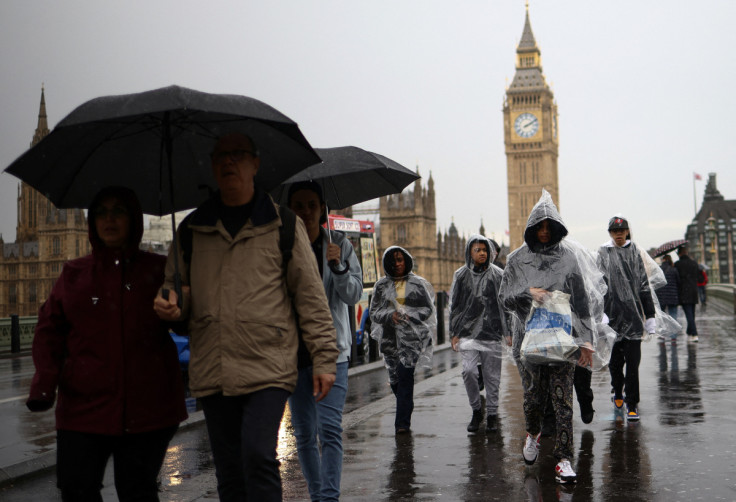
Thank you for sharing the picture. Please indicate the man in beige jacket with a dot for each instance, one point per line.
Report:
(242, 316)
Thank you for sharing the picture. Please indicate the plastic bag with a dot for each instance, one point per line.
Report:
(548, 334)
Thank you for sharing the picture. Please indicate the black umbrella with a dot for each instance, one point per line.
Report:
(668, 247)
(350, 175)
(157, 143)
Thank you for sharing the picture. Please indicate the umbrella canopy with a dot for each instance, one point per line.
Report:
(668, 247)
(157, 143)
(350, 175)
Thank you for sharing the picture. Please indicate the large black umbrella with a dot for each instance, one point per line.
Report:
(350, 175)
(158, 144)
(668, 247)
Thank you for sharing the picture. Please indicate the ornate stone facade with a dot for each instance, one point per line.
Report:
(711, 235)
(530, 135)
(409, 220)
(46, 237)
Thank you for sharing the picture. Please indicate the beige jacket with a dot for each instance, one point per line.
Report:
(242, 327)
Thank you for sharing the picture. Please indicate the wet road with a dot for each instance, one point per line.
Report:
(684, 448)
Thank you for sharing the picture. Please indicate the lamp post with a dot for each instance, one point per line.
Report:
(715, 274)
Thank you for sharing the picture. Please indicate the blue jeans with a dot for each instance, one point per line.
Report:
(324, 419)
(689, 309)
(243, 433)
(672, 312)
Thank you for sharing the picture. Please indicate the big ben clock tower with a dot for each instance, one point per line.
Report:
(530, 136)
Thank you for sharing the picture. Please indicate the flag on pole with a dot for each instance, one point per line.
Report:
(697, 176)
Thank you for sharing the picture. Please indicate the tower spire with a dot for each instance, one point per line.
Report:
(42, 129)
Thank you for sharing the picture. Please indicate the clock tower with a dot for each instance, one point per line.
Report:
(530, 136)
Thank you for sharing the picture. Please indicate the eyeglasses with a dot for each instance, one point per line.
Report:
(114, 211)
(234, 155)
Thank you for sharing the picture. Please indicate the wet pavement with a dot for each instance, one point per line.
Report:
(684, 447)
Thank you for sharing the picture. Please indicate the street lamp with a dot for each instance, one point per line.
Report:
(715, 274)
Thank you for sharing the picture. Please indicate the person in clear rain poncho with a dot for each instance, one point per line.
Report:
(634, 312)
(551, 287)
(402, 316)
(478, 327)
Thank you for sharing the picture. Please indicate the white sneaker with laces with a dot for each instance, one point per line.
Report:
(564, 473)
(531, 448)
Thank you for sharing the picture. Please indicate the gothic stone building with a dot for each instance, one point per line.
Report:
(711, 235)
(46, 237)
(409, 220)
(530, 136)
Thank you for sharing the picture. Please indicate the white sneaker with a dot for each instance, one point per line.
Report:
(531, 448)
(564, 473)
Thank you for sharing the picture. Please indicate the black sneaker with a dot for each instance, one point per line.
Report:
(474, 424)
(587, 415)
(491, 424)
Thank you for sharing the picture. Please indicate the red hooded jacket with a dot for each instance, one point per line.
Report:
(100, 343)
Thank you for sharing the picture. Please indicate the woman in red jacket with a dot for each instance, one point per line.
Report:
(99, 342)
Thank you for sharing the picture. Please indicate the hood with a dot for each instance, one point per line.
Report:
(388, 261)
(489, 246)
(544, 209)
(129, 200)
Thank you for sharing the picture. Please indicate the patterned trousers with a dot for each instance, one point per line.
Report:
(554, 383)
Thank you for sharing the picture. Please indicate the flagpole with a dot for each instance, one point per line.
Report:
(695, 204)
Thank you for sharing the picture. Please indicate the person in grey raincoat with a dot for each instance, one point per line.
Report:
(402, 316)
(478, 326)
(321, 461)
(630, 307)
(545, 264)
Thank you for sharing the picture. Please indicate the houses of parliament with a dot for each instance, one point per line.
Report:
(47, 236)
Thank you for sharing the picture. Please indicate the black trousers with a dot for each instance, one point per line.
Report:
(626, 353)
(243, 434)
(81, 459)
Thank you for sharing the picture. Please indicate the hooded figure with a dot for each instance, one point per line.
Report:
(99, 342)
(545, 266)
(402, 316)
(475, 313)
(478, 326)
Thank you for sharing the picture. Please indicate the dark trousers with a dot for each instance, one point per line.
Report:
(689, 309)
(403, 389)
(582, 388)
(81, 459)
(626, 353)
(243, 433)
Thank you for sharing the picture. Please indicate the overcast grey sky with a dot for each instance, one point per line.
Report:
(644, 89)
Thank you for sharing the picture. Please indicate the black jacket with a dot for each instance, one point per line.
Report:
(669, 294)
(688, 269)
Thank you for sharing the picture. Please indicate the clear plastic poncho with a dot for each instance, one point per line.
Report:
(574, 287)
(403, 315)
(632, 277)
(476, 314)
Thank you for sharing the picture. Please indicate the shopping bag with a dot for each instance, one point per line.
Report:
(548, 331)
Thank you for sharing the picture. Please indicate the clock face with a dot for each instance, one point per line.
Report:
(526, 125)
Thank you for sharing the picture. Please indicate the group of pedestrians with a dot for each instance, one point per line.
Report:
(250, 283)
(264, 296)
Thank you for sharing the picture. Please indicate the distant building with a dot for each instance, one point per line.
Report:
(46, 238)
(711, 234)
(409, 220)
(530, 135)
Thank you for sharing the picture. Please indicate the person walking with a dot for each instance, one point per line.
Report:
(702, 282)
(668, 295)
(478, 327)
(244, 314)
(402, 316)
(120, 389)
(545, 267)
(689, 271)
(630, 308)
(321, 461)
